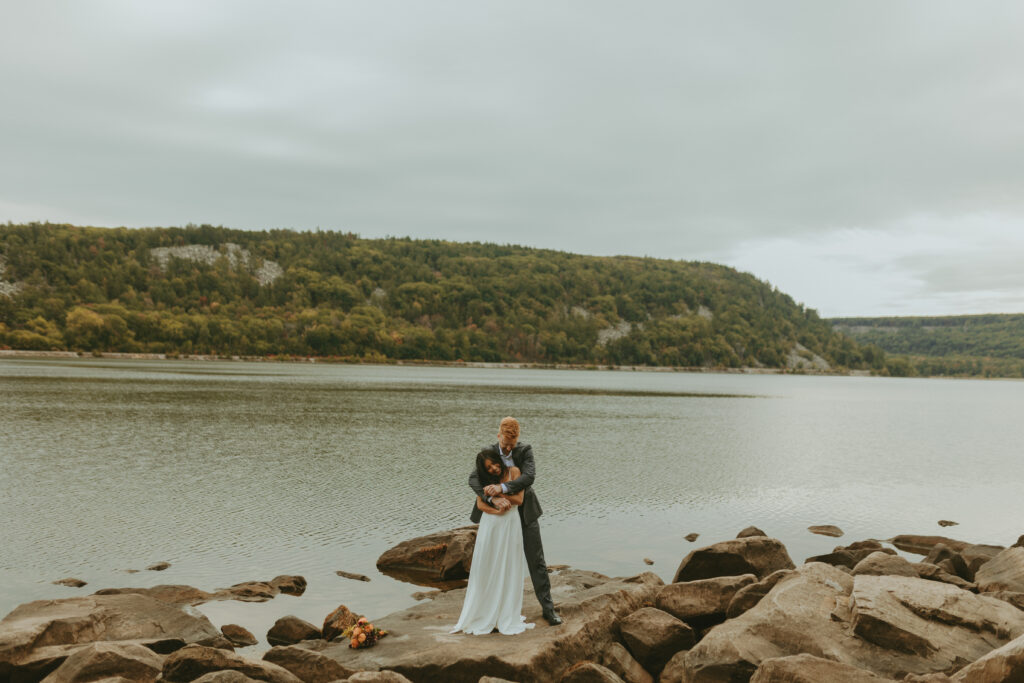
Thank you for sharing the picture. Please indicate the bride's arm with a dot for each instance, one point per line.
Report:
(514, 498)
(486, 507)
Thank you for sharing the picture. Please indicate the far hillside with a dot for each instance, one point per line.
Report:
(990, 344)
(211, 290)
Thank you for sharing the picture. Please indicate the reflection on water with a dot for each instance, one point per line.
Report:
(244, 471)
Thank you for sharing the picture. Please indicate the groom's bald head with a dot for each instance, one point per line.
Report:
(508, 432)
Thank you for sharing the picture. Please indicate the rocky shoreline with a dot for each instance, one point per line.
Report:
(736, 610)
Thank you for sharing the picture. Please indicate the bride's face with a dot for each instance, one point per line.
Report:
(493, 468)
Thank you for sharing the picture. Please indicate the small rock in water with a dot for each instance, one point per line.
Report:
(349, 575)
(826, 530)
(947, 522)
(130, 571)
(69, 582)
(239, 636)
(290, 630)
(691, 537)
(290, 585)
(158, 567)
(648, 560)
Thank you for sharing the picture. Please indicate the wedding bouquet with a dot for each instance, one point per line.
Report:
(363, 634)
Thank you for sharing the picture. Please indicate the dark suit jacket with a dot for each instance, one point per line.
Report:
(522, 456)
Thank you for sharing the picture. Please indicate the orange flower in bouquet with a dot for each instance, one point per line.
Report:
(363, 634)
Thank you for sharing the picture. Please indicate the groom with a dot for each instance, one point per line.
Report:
(521, 455)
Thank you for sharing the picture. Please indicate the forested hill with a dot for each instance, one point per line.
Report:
(994, 335)
(210, 290)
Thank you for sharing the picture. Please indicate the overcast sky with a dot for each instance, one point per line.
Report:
(865, 157)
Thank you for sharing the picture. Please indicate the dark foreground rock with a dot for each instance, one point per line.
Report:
(97, 661)
(420, 647)
(39, 636)
(653, 636)
(426, 560)
(193, 661)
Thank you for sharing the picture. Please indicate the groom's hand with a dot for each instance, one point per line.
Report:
(493, 489)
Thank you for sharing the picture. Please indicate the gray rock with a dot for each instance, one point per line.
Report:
(618, 659)
(750, 595)
(880, 564)
(653, 636)
(805, 668)
(703, 601)
(1004, 572)
(193, 661)
(310, 666)
(758, 555)
(102, 660)
(290, 630)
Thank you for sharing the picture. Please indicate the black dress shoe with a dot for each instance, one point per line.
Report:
(551, 616)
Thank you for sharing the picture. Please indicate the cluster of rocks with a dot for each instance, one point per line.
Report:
(737, 610)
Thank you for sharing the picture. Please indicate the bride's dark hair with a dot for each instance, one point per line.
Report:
(481, 468)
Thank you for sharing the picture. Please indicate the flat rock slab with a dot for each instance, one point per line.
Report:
(933, 620)
(38, 636)
(420, 647)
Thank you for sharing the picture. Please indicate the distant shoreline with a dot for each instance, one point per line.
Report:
(17, 353)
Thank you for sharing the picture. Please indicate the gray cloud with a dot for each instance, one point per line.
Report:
(669, 129)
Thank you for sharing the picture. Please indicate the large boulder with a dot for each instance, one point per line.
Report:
(813, 610)
(881, 564)
(310, 666)
(36, 637)
(442, 556)
(103, 660)
(420, 647)
(653, 636)
(193, 661)
(1004, 572)
(290, 630)
(750, 595)
(702, 602)
(932, 620)
(1002, 665)
(238, 635)
(807, 668)
(758, 555)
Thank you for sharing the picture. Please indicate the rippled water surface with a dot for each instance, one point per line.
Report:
(243, 471)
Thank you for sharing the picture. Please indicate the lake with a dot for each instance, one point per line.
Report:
(236, 471)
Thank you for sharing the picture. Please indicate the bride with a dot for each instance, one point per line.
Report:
(494, 598)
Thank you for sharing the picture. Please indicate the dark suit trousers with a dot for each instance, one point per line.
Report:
(534, 549)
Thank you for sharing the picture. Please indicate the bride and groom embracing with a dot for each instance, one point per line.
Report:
(506, 543)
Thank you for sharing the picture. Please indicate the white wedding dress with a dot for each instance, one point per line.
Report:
(494, 598)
